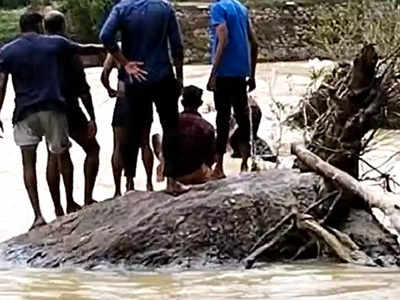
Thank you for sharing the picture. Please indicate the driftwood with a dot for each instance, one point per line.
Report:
(384, 206)
(352, 101)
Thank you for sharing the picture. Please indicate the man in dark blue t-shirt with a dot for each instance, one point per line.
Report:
(32, 60)
(234, 52)
(148, 28)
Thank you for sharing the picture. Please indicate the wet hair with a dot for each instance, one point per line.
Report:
(54, 22)
(31, 21)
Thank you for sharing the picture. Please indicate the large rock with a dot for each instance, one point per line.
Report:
(215, 223)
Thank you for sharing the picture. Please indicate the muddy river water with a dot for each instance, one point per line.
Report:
(283, 82)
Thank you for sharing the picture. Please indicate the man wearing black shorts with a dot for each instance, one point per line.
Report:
(81, 130)
(120, 134)
(150, 36)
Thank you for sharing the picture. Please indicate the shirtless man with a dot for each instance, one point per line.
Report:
(33, 61)
(81, 130)
(261, 147)
(120, 135)
(196, 144)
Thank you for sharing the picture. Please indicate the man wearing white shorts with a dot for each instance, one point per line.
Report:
(32, 60)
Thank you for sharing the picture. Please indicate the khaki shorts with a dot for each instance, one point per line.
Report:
(50, 124)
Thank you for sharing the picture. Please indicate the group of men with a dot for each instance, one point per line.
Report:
(48, 78)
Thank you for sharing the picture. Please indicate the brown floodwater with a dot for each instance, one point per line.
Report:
(284, 82)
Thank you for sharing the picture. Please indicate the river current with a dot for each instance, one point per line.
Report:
(283, 82)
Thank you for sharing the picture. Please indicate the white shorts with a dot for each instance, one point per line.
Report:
(50, 124)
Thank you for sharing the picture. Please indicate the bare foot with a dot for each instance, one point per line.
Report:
(117, 194)
(218, 174)
(176, 188)
(90, 202)
(150, 187)
(244, 167)
(39, 222)
(73, 207)
(130, 185)
(59, 212)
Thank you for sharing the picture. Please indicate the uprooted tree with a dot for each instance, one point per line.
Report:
(352, 101)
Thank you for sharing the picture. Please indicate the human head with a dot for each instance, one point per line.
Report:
(54, 22)
(31, 22)
(192, 97)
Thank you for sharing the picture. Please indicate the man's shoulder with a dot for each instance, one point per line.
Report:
(11, 45)
(197, 120)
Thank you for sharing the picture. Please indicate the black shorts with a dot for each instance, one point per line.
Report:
(121, 114)
(76, 119)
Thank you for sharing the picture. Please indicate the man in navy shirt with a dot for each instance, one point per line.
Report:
(147, 28)
(81, 130)
(32, 60)
(234, 63)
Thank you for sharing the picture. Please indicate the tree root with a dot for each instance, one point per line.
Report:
(346, 251)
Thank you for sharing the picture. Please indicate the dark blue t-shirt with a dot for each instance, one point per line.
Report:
(148, 28)
(33, 61)
(236, 60)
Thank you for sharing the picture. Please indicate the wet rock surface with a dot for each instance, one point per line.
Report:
(216, 223)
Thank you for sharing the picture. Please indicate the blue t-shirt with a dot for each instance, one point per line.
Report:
(33, 61)
(148, 28)
(235, 60)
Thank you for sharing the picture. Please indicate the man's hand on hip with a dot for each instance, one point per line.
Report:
(134, 68)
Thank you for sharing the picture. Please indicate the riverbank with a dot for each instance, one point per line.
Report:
(286, 30)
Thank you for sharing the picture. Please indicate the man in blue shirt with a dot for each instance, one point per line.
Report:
(32, 60)
(234, 51)
(147, 28)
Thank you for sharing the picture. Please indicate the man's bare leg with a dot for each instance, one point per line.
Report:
(30, 180)
(157, 147)
(147, 158)
(91, 166)
(67, 171)
(53, 181)
(117, 158)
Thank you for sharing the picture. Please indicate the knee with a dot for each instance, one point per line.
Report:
(94, 149)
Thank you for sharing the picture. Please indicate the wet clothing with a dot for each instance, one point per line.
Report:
(150, 33)
(255, 120)
(33, 62)
(74, 85)
(50, 124)
(236, 61)
(231, 93)
(196, 143)
(164, 95)
(147, 27)
(121, 114)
